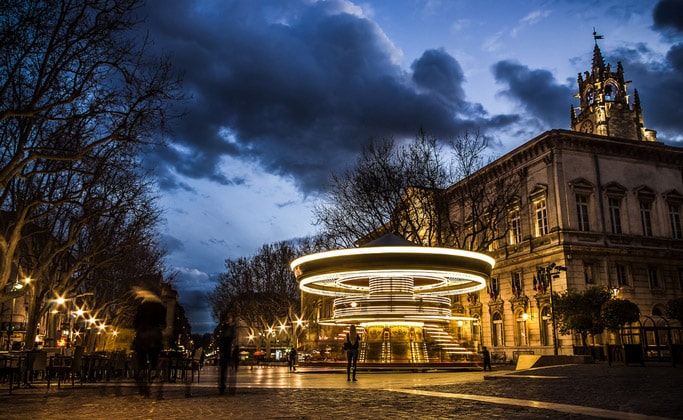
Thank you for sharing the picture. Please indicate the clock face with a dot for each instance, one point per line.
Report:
(587, 126)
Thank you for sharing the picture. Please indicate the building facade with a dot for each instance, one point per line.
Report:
(598, 205)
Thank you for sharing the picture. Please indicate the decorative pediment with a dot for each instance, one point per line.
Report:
(614, 189)
(644, 193)
(582, 185)
(514, 204)
(539, 191)
(673, 197)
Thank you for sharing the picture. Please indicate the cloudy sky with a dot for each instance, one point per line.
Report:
(285, 92)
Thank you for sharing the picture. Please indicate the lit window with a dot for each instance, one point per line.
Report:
(582, 212)
(541, 217)
(515, 228)
(497, 335)
(546, 325)
(521, 333)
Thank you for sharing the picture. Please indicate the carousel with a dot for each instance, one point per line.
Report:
(398, 295)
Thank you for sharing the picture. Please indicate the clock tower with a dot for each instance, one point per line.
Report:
(604, 107)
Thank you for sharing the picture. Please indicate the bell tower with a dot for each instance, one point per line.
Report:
(604, 107)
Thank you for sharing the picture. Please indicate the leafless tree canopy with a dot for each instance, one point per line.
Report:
(430, 194)
(262, 290)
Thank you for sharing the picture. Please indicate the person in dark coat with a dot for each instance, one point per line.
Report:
(226, 335)
(149, 324)
(291, 359)
(487, 358)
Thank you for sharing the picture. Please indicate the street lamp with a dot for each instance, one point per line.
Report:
(551, 272)
(11, 288)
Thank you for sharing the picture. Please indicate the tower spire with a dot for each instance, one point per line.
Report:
(604, 107)
(598, 61)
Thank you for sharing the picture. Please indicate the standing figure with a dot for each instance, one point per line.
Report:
(291, 358)
(487, 358)
(226, 333)
(352, 341)
(149, 324)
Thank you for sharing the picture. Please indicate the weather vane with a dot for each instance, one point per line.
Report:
(596, 36)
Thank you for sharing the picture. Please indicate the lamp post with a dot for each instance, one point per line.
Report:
(551, 272)
(11, 289)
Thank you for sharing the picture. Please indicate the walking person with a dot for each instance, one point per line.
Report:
(226, 334)
(149, 324)
(351, 346)
(487, 358)
(291, 358)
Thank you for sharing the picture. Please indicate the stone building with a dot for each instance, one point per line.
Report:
(601, 201)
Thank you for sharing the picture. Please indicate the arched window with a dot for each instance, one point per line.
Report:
(497, 335)
(611, 92)
(521, 331)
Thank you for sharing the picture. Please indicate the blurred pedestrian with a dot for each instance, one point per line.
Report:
(291, 358)
(149, 324)
(487, 358)
(351, 346)
(226, 335)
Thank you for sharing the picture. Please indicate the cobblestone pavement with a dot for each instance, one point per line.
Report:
(568, 392)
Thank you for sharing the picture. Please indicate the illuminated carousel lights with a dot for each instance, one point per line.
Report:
(441, 271)
(443, 283)
(374, 300)
(395, 312)
(391, 323)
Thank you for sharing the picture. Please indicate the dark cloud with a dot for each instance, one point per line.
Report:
(537, 91)
(440, 75)
(659, 83)
(660, 87)
(668, 15)
(298, 87)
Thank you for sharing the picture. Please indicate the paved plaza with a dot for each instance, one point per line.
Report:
(568, 392)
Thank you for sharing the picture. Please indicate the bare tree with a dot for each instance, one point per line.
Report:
(262, 289)
(390, 189)
(413, 190)
(479, 204)
(77, 88)
(105, 239)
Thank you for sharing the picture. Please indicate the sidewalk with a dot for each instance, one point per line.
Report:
(571, 392)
